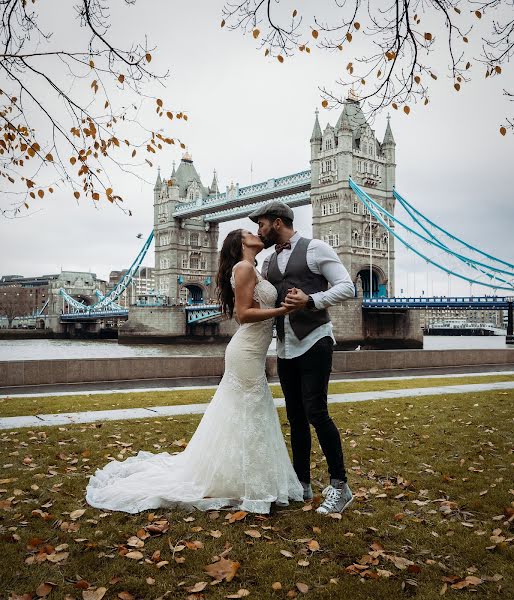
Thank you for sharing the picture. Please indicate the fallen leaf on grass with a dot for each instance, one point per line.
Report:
(97, 594)
(286, 553)
(57, 557)
(313, 546)
(134, 555)
(302, 587)
(126, 596)
(197, 587)
(276, 586)
(253, 533)
(239, 594)
(399, 562)
(237, 516)
(43, 589)
(464, 583)
(76, 514)
(222, 569)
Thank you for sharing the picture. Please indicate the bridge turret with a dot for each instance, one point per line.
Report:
(316, 138)
(344, 145)
(389, 151)
(158, 185)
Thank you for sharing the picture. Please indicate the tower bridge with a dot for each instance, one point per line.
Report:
(350, 186)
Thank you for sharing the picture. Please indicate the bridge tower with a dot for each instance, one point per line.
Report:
(351, 149)
(185, 248)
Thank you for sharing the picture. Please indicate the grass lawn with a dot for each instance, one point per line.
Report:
(434, 514)
(12, 407)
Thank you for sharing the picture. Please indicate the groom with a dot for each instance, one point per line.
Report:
(302, 271)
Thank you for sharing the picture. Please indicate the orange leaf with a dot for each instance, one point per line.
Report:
(280, 58)
(253, 533)
(324, 104)
(44, 589)
(457, 86)
(49, 157)
(76, 194)
(222, 569)
(40, 193)
(223, 23)
(255, 33)
(237, 516)
(315, 34)
(503, 131)
(428, 36)
(349, 36)
(169, 115)
(357, 25)
(121, 78)
(406, 110)
(148, 57)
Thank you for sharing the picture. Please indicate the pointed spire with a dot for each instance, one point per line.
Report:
(214, 185)
(316, 132)
(388, 137)
(344, 120)
(173, 170)
(158, 181)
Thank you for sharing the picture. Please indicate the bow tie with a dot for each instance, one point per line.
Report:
(284, 246)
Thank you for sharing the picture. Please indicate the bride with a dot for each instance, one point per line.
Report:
(237, 457)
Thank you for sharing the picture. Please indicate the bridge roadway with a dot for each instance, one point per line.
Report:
(93, 315)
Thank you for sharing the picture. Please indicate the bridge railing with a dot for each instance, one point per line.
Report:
(255, 190)
(475, 302)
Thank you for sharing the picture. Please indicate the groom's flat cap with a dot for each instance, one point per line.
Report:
(274, 208)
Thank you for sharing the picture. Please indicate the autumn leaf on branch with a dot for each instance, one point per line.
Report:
(73, 137)
(395, 51)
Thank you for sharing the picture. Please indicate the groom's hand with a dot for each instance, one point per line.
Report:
(296, 299)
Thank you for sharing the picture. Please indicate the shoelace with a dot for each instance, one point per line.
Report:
(332, 497)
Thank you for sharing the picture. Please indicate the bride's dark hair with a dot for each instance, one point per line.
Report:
(231, 253)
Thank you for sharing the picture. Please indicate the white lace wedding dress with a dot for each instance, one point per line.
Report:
(237, 457)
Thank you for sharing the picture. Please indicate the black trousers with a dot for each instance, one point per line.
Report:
(304, 381)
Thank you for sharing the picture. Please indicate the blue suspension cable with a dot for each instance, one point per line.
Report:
(405, 203)
(467, 260)
(368, 202)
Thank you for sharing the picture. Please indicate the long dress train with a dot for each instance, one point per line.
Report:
(237, 457)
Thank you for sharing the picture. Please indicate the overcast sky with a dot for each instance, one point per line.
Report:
(247, 110)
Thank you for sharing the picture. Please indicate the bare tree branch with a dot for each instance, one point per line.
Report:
(398, 69)
(53, 135)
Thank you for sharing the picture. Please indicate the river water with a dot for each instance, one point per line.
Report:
(61, 349)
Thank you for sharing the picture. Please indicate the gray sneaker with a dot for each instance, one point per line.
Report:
(307, 492)
(337, 499)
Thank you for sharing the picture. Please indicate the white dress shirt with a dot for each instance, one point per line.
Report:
(322, 260)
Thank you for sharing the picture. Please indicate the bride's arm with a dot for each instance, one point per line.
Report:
(245, 280)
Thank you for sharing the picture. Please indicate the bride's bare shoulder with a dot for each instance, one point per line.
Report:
(244, 267)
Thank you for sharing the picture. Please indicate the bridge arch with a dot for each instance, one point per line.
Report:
(193, 293)
(379, 281)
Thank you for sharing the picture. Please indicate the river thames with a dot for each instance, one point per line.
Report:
(63, 349)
